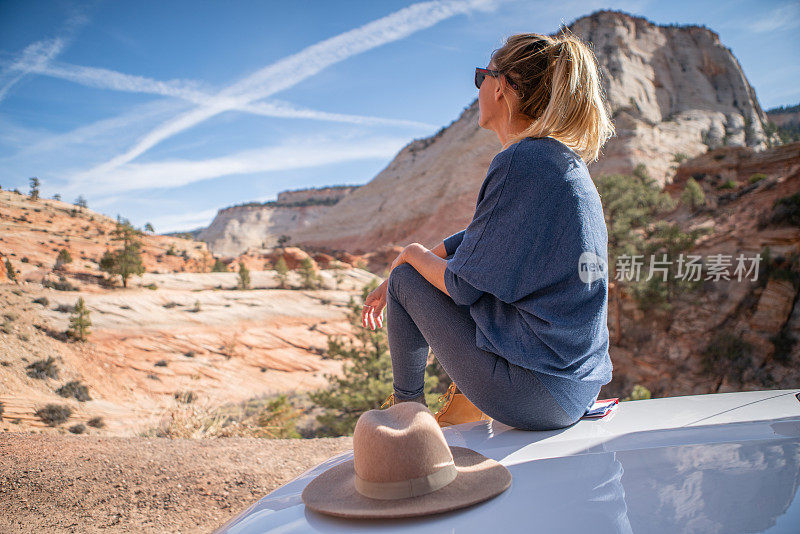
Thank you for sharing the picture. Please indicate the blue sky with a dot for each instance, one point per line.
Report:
(163, 112)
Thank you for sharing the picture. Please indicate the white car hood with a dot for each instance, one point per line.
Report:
(727, 462)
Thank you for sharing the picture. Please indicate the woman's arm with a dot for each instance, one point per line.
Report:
(432, 265)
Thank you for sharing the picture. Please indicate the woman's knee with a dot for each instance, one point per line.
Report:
(401, 276)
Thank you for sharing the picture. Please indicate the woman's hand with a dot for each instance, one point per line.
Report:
(371, 315)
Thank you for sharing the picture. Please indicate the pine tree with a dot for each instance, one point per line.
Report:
(629, 205)
(126, 261)
(366, 381)
(79, 322)
(244, 276)
(693, 195)
(282, 270)
(34, 193)
(666, 239)
(149, 228)
(81, 202)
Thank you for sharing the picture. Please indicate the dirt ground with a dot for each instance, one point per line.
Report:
(66, 483)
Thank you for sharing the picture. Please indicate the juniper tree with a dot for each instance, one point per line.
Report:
(149, 228)
(81, 201)
(79, 322)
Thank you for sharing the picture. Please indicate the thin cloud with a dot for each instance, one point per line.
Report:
(293, 69)
(292, 154)
(192, 91)
(37, 55)
(785, 17)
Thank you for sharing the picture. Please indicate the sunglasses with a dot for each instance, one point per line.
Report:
(481, 74)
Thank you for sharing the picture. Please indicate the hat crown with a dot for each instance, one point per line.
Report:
(400, 443)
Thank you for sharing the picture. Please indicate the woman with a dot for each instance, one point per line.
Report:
(514, 306)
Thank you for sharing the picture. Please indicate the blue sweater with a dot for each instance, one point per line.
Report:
(532, 266)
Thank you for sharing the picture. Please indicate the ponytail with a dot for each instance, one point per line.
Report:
(559, 89)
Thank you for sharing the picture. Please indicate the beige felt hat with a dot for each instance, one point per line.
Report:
(402, 466)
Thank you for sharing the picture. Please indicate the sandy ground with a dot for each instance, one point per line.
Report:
(65, 483)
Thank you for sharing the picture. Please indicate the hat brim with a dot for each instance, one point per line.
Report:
(479, 478)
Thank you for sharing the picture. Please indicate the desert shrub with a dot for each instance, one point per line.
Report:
(61, 285)
(271, 418)
(76, 390)
(186, 397)
(63, 258)
(219, 266)
(151, 286)
(63, 308)
(161, 363)
(639, 393)
(96, 422)
(280, 418)
(170, 305)
(230, 346)
(244, 276)
(2, 409)
(54, 414)
(786, 210)
(78, 429)
(757, 177)
(42, 369)
(42, 300)
(10, 271)
(728, 184)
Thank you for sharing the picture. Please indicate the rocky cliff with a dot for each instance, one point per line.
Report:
(259, 225)
(675, 91)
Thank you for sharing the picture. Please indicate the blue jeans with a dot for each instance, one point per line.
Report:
(419, 316)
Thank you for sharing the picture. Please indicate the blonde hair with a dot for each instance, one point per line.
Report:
(559, 88)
